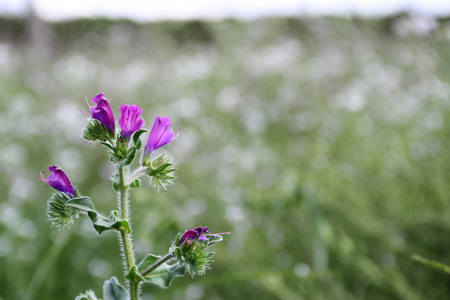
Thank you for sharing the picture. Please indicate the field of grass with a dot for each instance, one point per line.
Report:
(321, 144)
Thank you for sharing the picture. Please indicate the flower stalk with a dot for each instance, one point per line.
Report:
(136, 174)
(158, 263)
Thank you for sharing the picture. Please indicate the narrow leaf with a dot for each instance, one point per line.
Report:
(431, 263)
(108, 145)
(136, 138)
(129, 157)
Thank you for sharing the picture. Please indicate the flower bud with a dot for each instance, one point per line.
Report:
(102, 112)
(160, 135)
(59, 181)
(190, 248)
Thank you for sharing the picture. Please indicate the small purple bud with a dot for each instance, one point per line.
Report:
(59, 181)
(102, 111)
(160, 135)
(194, 234)
(130, 120)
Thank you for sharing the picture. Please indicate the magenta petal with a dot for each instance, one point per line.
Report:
(59, 181)
(193, 234)
(190, 234)
(160, 135)
(102, 111)
(130, 120)
(202, 238)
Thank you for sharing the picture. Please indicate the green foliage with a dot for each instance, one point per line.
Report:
(112, 290)
(431, 263)
(136, 138)
(101, 224)
(163, 275)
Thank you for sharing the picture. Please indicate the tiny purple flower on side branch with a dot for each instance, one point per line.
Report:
(59, 181)
(102, 111)
(130, 120)
(160, 135)
(199, 233)
(194, 234)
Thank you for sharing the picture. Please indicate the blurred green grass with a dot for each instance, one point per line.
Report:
(321, 144)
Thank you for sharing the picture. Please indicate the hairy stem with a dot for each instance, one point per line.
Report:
(158, 263)
(127, 244)
(136, 174)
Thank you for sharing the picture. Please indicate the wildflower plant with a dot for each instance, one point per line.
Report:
(189, 252)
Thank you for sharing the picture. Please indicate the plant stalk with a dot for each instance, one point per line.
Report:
(127, 244)
(158, 263)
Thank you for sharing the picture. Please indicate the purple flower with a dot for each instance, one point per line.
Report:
(59, 181)
(102, 111)
(130, 120)
(160, 135)
(194, 234)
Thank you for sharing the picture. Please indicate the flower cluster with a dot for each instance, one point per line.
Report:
(101, 127)
(188, 252)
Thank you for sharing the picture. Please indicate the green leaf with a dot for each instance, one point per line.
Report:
(136, 183)
(100, 223)
(112, 222)
(136, 138)
(133, 275)
(162, 275)
(82, 203)
(108, 145)
(115, 182)
(431, 263)
(112, 290)
(130, 156)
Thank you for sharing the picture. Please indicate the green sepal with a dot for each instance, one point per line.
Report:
(58, 213)
(100, 223)
(95, 130)
(133, 275)
(112, 290)
(161, 171)
(136, 138)
(163, 275)
(131, 153)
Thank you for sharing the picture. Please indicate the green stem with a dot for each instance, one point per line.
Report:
(158, 263)
(127, 244)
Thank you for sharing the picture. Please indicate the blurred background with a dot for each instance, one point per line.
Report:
(318, 137)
